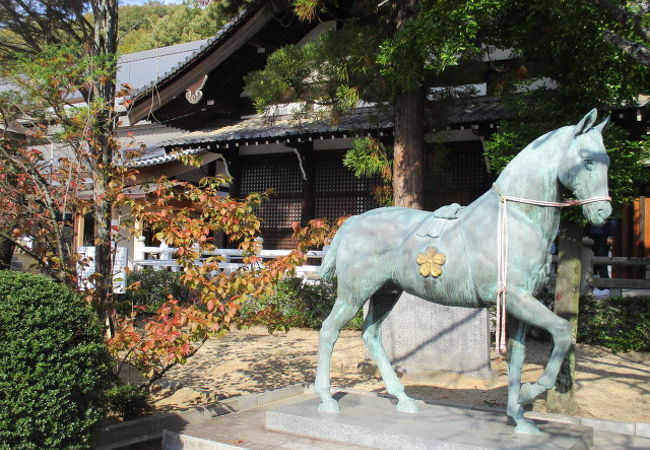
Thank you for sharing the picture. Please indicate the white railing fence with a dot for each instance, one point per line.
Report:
(162, 258)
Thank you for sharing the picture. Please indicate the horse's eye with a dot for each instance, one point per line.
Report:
(589, 164)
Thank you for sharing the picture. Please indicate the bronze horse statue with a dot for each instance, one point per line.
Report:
(381, 253)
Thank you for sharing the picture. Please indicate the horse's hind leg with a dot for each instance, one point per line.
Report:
(380, 305)
(515, 365)
(344, 309)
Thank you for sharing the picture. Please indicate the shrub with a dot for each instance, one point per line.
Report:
(128, 401)
(153, 288)
(54, 367)
(620, 324)
(294, 304)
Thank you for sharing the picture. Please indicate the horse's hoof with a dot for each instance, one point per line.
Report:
(330, 406)
(408, 405)
(529, 392)
(526, 427)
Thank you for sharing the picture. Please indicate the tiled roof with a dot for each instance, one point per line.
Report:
(284, 127)
(142, 68)
(484, 110)
(159, 156)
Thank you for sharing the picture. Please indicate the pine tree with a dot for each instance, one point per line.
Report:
(389, 52)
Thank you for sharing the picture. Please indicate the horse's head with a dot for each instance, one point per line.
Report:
(584, 168)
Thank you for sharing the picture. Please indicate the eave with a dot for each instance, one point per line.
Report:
(217, 50)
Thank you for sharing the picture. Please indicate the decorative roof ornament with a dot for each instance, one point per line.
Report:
(194, 94)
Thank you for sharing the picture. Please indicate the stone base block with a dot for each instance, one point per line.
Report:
(373, 422)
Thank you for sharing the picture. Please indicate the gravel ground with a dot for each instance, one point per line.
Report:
(609, 386)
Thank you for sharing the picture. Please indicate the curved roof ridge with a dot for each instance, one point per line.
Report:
(209, 44)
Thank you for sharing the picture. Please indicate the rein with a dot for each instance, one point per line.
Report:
(502, 254)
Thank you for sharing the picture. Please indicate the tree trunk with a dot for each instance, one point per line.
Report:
(103, 90)
(408, 152)
(6, 253)
(567, 298)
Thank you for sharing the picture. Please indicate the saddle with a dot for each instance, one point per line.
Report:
(434, 225)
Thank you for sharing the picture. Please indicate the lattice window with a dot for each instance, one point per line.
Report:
(283, 177)
(282, 174)
(337, 192)
(468, 170)
(278, 238)
(332, 176)
(335, 207)
(280, 212)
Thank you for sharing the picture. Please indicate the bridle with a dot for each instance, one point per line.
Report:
(502, 253)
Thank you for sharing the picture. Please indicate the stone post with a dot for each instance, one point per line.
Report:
(422, 337)
(586, 278)
(567, 298)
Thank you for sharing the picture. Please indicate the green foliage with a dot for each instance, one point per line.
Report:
(369, 58)
(367, 158)
(330, 71)
(294, 304)
(54, 367)
(562, 40)
(626, 169)
(28, 26)
(136, 23)
(128, 401)
(441, 35)
(155, 25)
(151, 288)
(57, 72)
(620, 324)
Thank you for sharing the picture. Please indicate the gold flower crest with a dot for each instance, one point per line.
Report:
(430, 262)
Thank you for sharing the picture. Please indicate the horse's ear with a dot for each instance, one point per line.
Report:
(602, 126)
(587, 121)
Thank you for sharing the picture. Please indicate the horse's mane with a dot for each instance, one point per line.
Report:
(537, 160)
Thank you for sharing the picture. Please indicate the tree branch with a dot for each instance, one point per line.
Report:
(164, 370)
(623, 16)
(639, 52)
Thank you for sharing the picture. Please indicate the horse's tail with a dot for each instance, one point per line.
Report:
(328, 266)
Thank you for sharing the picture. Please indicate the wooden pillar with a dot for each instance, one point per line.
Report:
(234, 167)
(77, 232)
(138, 242)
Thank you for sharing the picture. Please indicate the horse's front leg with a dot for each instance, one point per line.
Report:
(527, 308)
(517, 347)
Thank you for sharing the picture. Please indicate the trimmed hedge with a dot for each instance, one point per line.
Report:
(128, 401)
(620, 324)
(54, 367)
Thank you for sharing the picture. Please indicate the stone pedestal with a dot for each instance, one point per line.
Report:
(373, 422)
(421, 336)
